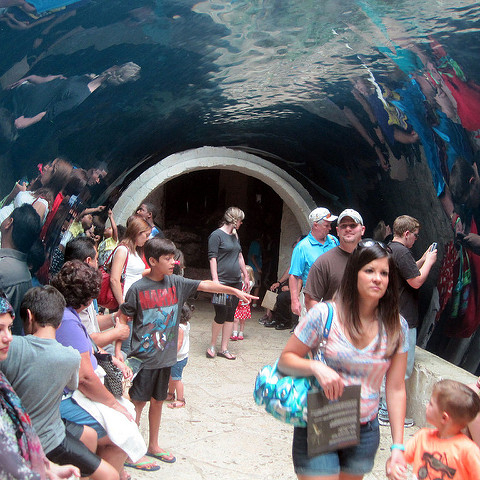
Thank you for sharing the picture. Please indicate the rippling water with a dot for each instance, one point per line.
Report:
(283, 53)
(224, 62)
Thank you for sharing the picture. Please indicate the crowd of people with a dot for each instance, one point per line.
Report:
(51, 245)
(80, 421)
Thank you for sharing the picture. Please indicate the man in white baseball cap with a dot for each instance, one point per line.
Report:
(316, 243)
(327, 271)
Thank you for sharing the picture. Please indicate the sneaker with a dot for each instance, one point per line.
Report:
(263, 320)
(385, 421)
(270, 324)
(234, 338)
(240, 337)
(409, 423)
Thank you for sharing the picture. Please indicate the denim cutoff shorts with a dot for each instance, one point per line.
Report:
(356, 460)
(177, 369)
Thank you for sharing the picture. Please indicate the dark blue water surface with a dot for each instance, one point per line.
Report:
(214, 71)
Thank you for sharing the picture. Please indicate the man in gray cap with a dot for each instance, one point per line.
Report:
(316, 243)
(327, 271)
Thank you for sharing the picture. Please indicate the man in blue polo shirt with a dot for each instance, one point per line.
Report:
(316, 243)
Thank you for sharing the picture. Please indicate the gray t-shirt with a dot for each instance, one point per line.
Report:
(39, 369)
(155, 307)
(15, 280)
(226, 249)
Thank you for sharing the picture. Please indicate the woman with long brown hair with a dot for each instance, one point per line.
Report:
(42, 191)
(127, 258)
(368, 339)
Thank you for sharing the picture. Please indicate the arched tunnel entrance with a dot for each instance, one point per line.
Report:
(192, 189)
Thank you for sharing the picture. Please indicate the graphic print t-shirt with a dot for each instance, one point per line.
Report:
(454, 458)
(154, 307)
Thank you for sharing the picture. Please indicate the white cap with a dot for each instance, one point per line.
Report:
(353, 214)
(320, 214)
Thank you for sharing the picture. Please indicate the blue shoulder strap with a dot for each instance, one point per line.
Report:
(328, 323)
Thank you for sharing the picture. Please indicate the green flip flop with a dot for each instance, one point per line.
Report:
(161, 456)
(146, 466)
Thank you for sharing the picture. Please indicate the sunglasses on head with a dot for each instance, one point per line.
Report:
(369, 243)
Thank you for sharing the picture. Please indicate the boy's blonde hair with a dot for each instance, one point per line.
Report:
(458, 400)
(251, 275)
(404, 223)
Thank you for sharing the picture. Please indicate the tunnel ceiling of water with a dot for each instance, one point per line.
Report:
(309, 85)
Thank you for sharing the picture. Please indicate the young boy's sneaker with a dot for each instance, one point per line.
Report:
(385, 421)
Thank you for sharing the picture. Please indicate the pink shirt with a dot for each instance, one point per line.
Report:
(365, 367)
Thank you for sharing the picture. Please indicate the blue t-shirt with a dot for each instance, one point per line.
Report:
(306, 252)
(255, 250)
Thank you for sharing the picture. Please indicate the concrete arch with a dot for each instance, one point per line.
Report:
(293, 194)
(297, 202)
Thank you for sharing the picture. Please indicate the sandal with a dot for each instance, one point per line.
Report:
(166, 457)
(226, 354)
(146, 466)
(210, 352)
(170, 397)
(179, 403)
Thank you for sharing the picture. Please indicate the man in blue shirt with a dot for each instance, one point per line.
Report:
(316, 243)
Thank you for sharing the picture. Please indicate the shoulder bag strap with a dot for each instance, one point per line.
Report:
(327, 326)
(328, 323)
(108, 262)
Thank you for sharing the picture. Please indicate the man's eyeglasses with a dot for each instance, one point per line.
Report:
(369, 243)
(416, 235)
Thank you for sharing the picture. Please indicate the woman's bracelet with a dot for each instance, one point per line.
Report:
(398, 446)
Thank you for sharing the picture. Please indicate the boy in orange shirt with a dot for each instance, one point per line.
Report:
(444, 451)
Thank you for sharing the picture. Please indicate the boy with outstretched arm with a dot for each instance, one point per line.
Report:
(154, 303)
(444, 451)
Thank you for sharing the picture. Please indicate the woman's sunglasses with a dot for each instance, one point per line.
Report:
(369, 243)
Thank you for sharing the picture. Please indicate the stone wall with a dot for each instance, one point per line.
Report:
(428, 370)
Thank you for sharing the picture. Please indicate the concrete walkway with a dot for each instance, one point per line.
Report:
(221, 433)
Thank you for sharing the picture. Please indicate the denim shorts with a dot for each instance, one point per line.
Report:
(357, 460)
(177, 369)
(71, 411)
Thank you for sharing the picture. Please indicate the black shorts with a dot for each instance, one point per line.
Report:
(73, 451)
(150, 384)
(225, 313)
